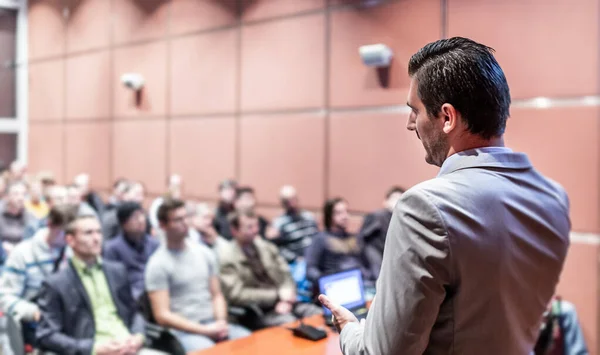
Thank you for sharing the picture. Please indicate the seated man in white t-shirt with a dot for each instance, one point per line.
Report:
(183, 285)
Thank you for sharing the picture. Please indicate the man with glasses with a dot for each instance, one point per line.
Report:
(87, 307)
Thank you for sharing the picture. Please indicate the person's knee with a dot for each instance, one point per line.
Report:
(236, 332)
(193, 342)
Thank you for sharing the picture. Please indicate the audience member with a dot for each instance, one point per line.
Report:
(35, 203)
(132, 192)
(227, 190)
(118, 192)
(174, 191)
(47, 180)
(202, 223)
(183, 285)
(3, 186)
(56, 195)
(82, 181)
(245, 201)
(371, 237)
(17, 172)
(87, 307)
(14, 219)
(253, 273)
(74, 197)
(560, 333)
(295, 228)
(133, 246)
(335, 249)
(31, 262)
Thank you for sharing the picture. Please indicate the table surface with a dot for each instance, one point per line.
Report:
(278, 341)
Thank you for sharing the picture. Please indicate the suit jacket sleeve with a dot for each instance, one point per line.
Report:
(49, 330)
(411, 287)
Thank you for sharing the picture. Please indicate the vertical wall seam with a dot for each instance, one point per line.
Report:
(327, 102)
(237, 159)
(168, 84)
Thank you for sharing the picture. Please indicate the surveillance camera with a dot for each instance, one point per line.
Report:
(133, 81)
(376, 55)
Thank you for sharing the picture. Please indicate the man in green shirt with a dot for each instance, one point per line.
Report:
(88, 308)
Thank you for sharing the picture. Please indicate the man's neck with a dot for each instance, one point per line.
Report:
(87, 260)
(134, 237)
(244, 244)
(173, 244)
(472, 141)
(52, 236)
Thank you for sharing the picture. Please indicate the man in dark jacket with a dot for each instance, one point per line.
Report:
(87, 307)
(133, 246)
(371, 238)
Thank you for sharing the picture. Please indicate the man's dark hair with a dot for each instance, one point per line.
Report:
(328, 211)
(168, 205)
(393, 190)
(62, 215)
(234, 218)
(71, 228)
(466, 75)
(243, 190)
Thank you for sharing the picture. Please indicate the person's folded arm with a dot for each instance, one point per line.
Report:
(411, 286)
(160, 302)
(12, 287)
(241, 295)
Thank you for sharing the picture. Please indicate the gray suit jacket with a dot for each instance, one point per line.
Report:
(471, 261)
(67, 326)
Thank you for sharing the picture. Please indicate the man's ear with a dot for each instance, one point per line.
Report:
(450, 118)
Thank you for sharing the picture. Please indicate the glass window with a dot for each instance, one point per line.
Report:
(8, 37)
(8, 149)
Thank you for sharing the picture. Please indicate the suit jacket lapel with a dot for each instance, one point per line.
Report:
(79, 287)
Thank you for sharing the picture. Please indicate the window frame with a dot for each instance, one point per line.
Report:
(19, 123)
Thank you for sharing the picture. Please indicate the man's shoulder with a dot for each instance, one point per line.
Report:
(159, 259)
(61, 279)
(114, 244)
(265, 246)
(114, 267)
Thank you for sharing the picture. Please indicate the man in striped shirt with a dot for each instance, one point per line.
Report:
(31, 262)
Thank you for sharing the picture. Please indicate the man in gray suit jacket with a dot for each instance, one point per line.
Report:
(88, 307)
(472, 257)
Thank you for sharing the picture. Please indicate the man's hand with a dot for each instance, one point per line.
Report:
(112, 348)
(37, 316)
(287, 295)
(283, 308)
(341, 316)
(271, 233)
(134, 344)
(217, 330)
(225, 332)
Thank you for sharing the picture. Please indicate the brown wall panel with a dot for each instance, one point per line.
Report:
(546, 48)
(202, 151)
(283, 64)
(88, 151)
